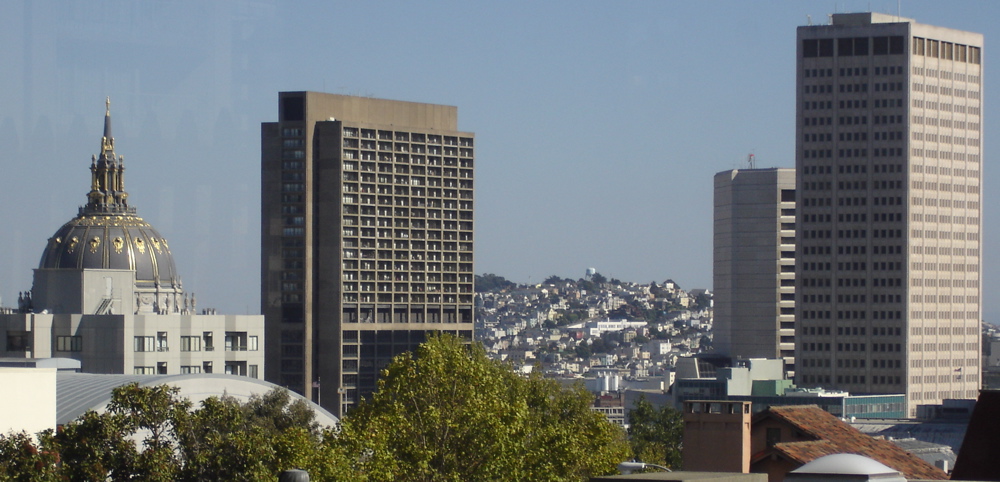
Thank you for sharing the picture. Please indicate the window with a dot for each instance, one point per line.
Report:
(190, 369)
(161, 368)
(207, 338)
(69, 343)
(252, 371)
(773, 436)
(207, 367)
(236, 341)
(144, 370)
(191, 343)
(145, 343)
(161, 341)
(252, 344)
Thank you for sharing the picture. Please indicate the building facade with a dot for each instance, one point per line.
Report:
(888, 158)
(107, 293)
(754, 264)
(367, 232)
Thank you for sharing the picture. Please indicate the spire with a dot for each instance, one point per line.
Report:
(107, 175)
(107, 142)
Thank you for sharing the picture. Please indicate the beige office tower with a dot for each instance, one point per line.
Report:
(754, 264)
(889, 175)
(367, 232)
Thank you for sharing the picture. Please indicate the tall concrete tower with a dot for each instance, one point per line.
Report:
(889, 180)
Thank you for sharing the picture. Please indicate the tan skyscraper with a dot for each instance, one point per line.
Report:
(754, 264)
(367, 233)
(889, 156)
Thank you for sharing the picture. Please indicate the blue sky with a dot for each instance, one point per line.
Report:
(599, 125)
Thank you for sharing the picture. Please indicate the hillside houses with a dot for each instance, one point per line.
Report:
(566, 328)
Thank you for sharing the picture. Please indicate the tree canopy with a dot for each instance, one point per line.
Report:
(655, 434)
(450, 413)
(492, 282)
(446, 412)
(151, 433)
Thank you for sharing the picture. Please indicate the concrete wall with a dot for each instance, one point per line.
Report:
(29, 400)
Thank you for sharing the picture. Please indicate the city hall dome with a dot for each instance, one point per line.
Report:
(108, 234)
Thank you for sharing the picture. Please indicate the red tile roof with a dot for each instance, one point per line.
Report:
(834, 436)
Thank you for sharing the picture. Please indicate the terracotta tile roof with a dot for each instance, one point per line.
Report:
(835, 436)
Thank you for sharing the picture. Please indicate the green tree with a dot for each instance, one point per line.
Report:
(451, 413)
(491, 282)
(655, 434)
(702, 301)
(151, 433)
(22, 459)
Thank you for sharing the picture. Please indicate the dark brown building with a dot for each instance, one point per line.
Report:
(367, 233)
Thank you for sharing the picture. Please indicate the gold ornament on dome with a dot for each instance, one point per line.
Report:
(164, 240)
(94, 243)
(72, 244)
(118, 242)
(140, 245)
(156, 244)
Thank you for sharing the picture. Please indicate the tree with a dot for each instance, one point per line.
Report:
(702, 301)
(598, 279)
(151, 433)
(451, 413)
(553, 280)
(655, 434)
(491, 282)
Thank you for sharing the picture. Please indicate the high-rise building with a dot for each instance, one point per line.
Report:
(367, 233)
(754, 264)
(107, 293)
(889, 176)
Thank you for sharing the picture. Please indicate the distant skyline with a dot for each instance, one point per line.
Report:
(599, 126)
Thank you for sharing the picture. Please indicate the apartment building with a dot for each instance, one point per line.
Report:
(367, 232)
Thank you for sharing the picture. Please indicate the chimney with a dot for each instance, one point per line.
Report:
(717, 436)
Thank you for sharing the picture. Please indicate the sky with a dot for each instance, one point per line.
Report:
(599, 125)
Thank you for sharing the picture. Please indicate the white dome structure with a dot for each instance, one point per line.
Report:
(844, 467)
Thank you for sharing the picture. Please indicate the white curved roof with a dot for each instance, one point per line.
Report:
(76, 393)
(845, 464)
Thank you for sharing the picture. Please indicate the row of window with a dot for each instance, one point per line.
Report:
(931, 234)
(231, 368)
(945, 283)
(402, 136)
(389, 162)
(369, 149)
(234, 341)
(944, 346)
(854, 46)
(944, 299)
(945, 203)
(946, 250)
(944, 362)
(970, 394)
(949, 91)
(946, 74)
(406, 298)
(944, 315)
(946, 50)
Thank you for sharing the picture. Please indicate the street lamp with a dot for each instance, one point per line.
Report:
(627, 468)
